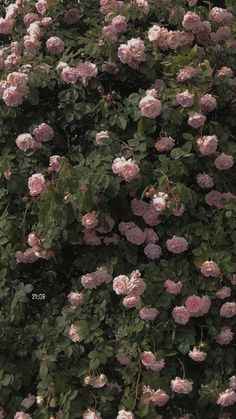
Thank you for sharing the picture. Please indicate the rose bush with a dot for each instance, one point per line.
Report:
(118, 213)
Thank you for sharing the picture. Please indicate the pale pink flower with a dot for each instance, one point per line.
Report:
(7, 174)
(148, 359)
(178, 211)
(214, 199)
(43, 133)
(142, 5)
(150, 216)
(193, 304)
(232, 382)
(132, 53)
(22, 415)
(28, 401)
(86, 70)
(224, 162)
(119, 23)
(127, 169)
(95, 279)
(173, 287)
(210, 268)
(24, 142)
(12, 97)
(159, 36)
(228, 310)
(42, 6)
(125, 226)
(181, 386)
(159, 85)
(150, 107)
(159, 201)
(55, 45)
(177, 244)
(72, 16)
(69, 75)
(191, 21)
(159, 398)
(207, 144)
(224, 72)
(139, 207)
(33, 240)
(205, 181)
(220, 16)
(74, 334)
(54, 164)
(164, 144)
(197, 355)
(91, 414)
(6, 25)
(148, 392)
(120, 284)
(158, 365)
(223, 292)
(122, 358)
(225, 337)
(181, 315)
(124, 414)
(29, 256)
(136, 285)
(135, 235)
(227, 398)
(187, 73)
(151, 235)
(185, 99)
(100, 136)
(147, 313)
(208, 103)
(196, 120)
(131, 301)
(174, 39)
(36, 184)
(152, 251)
(75, 299)
(89, 220)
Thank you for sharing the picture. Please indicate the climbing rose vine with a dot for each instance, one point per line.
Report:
(118, 209)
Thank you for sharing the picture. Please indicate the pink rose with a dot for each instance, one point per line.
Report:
(124, 414)
(75, 299)
(224, 72)
(22, 415)
(127, 169)
(181, 315)
(159, 201)
(191, 21)
(208, 103)
(100, 136)
(228, 310)
(69, 75)
(196, 120)
(150, 107)
(173, 287)
(223, 292)
(224, 162)
(122, 358)
(164, 144)
(187, 73)
(177, 244)
(197, 355)
(54, 163)
(55, 45)
(220, 16)
(43, 133)
(205, 181)
(207, 144)
(185, 99)
(193, 304)
(12, 97)
(132, 53)
(119, 23)
(232, 382)
(210, 268)
(91, 414)
(152, 251)
(120, 284)
(36, 184)
(225, 336)
(25, 142)
(148, 359)
(131, 301)
(135, 235)
(74, 334)
(148, 313)
(89, 220)
(28, 401)
(159, 398)
(181, 386)
(227, 398)
(72, 16)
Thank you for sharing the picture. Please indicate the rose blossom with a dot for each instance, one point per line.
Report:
(69, 75)
(191, 21)
(208, 103)
(132, 53)
(197, 355)
(139, 207)
(152, 251)
(12, 97)
(177, 244)
(131, 301)
(225, 337)
(196, 120)
(159, 398)
(43, 133)
(127, 169)
(28, 401)
(227, 398)
(224, 72)
(120, 284)
(148, 359)
(150, 107)
(36, 184)
(89, 220)
(228, 310)
(100, 136)
(214, 199)
(135, 235)
(181, 386)
(224, 162)
(22, 415)
(119, 23)
(159, 201)
(54, 163)
(136, 285)
(181, 315)
(151, 235)
(185, 99)
(223, 292)
(91, 414)
(55, 45)
(210, 268)
(75, 299)
(220, 16)
(164, 144)
(193, 304)
(26, 142)
(173, 287)
(72, 16)
(187, 73)
(205, 181)
(232, 382)
(207, 144)
(124, 414)
(74, 334)
(125, 226)
(147, 313)
(122, 358)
